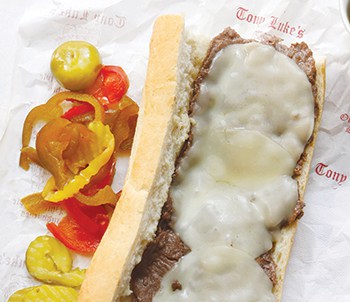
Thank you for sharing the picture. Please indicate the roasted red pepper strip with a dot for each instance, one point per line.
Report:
(93, 220)
(78, 231)
(73, 236)
(83, 227)
(78, 110)
(110, 86)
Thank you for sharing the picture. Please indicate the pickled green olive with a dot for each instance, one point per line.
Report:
(76, 64)
(47, 293)
(48, 260)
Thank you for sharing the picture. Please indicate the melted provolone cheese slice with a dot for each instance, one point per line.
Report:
(209, 218)
(252, 120)
(214, 275)
(241, 158)
(253, 86)
(276, 200)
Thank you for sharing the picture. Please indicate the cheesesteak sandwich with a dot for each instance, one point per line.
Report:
(217, 174)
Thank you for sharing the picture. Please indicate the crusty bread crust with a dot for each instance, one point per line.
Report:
(162, 127)
(152, 164)
(284, 243)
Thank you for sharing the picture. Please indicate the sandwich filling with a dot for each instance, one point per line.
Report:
(253, 113)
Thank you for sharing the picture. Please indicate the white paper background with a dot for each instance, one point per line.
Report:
(320, 262)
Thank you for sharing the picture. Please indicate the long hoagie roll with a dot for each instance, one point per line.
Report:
(217, 173)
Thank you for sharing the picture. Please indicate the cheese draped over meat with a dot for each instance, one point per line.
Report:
(252, 120)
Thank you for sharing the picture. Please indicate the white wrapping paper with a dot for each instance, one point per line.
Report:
(319, 268)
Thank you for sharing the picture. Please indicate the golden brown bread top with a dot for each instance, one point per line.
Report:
(125, 236)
